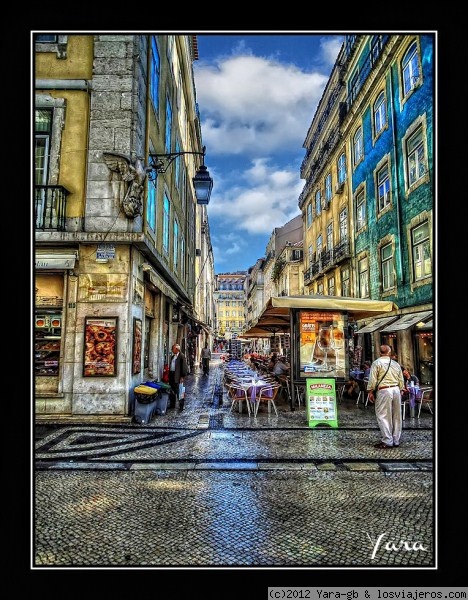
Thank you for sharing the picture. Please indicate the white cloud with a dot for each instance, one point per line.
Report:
(251, 104)
(267, 200)
(330, 46)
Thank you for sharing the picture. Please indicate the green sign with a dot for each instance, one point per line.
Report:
(321, 406)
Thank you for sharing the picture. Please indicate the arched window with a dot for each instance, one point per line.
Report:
(410, 69)
(380, 113)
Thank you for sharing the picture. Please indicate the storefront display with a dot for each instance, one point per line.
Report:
(322, 344)
(48, 322)
(47, 341)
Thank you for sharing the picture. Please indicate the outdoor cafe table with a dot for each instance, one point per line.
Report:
(414, 394)
(253, 386)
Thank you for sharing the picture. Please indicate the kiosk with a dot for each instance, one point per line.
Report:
(319, 333)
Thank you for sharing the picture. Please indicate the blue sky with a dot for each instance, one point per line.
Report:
(257, 95)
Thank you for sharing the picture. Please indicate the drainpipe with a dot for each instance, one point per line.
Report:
(397, 186)
(63, 84)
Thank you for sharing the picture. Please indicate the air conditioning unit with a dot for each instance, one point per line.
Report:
(339, 188)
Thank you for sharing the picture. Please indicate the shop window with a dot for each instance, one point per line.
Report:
(48, 322)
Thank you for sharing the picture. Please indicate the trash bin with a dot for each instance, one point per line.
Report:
(162, 400)
(146, 399)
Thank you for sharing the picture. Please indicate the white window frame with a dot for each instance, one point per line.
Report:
(380, 113)
(363, 276)
(361, 218)
(358, 146)
(410, 69)
(421, 252)
(383, 188)
(386, 267)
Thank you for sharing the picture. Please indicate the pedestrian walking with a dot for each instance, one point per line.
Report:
(178, 369)
(206, 357)
(384, 389)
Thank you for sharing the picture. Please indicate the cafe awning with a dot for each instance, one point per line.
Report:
(360, 308)
(377, 324)
(407, 321)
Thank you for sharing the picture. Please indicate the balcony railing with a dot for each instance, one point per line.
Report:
(327, 259)
(50, 207)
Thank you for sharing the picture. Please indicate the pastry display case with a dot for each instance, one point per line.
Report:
(47, 342)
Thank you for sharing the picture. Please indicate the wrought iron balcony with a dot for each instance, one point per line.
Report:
(50, 207)
(327, 259)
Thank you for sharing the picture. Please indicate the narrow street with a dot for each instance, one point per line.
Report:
(209, 488)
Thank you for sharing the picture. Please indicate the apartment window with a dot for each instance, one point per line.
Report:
(43, 129)
(380, 113)
(358, 146)
(42, 137)
(330, 236)
(155, 74)
(168, 124)
(309, 214)
(310, 254)
(345, 282)
(151, 205)
(343, 224)
(178, 165)
(320, 288)
(386, 265)
(176, 246)
(360, 210)
(182, 262)
(410, 69)
(363, 274)
(376, 48)
(331, 285)
(328, 187)
(422, 264)
(46, 39)
(354, 86)
(319, 245)
(318, 203)
(416, 156)
(383, 188)
(341, 168)
(166, 214)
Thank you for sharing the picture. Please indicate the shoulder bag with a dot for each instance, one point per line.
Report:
(376, 389)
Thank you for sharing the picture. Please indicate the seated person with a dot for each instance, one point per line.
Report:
(272, 361)
(408, 378)
(281, 367)
(351, 389)
(366, 369)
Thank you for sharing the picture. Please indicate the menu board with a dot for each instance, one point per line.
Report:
(321, 402)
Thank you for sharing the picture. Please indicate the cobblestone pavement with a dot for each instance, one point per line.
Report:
(212, 488)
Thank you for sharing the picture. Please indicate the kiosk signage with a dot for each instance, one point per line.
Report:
(321, 406)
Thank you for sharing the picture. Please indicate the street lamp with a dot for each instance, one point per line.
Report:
(202, 182)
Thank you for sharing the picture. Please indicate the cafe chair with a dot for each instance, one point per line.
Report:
(237, 394)
(267, 394)
(403, 404)
(425, 398)
(340, 390)
(363, 394)
(300, 394)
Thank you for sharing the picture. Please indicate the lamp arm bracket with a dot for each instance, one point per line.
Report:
(161, 162)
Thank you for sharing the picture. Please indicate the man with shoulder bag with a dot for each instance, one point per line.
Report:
(384, 389)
